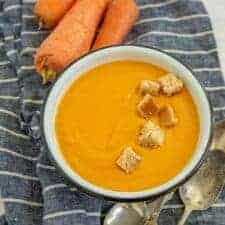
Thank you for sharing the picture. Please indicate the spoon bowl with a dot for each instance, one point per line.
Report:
(123, 214)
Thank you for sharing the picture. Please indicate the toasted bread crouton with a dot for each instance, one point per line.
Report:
(151, 135)
(170, 84)
(149, 87)
(167, 116)
(128, 160)
(147, 106)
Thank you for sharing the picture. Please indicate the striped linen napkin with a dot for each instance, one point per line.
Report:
(32, 190)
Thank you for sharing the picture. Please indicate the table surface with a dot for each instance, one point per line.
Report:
(216, 9)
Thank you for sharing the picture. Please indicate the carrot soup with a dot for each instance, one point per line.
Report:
(97, 119)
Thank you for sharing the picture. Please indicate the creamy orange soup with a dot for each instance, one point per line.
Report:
(97, 119)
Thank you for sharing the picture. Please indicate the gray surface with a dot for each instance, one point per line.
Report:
(216, 9)
(32, 188)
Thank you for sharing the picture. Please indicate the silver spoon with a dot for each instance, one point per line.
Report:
(203, 189)
(136, 213)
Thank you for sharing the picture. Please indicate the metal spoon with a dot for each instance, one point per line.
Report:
(203, 189)
(136, 213)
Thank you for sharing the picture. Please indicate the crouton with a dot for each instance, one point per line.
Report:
(167, 116)
(151, 135)
(128, 160)
(147, 106)
(149, 87)
(170, 84)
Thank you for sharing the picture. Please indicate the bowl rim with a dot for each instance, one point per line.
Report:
(131, 199)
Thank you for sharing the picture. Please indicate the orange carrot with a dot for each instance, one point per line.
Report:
(119, 19)
(71, 38)
(49, 12)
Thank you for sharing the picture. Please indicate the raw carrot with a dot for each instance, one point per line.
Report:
(71, 38)
(119, 19)
(49, 12)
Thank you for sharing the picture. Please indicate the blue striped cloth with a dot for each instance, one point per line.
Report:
(32, 190)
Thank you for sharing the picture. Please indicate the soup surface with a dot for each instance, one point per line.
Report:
(97, 119)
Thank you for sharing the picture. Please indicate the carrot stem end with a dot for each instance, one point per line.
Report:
(48, 75)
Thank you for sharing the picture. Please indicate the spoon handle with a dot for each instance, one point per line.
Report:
(153, 220)
(185, 215)
(156, 209)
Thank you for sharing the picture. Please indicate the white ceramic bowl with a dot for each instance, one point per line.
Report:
(137, 53)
